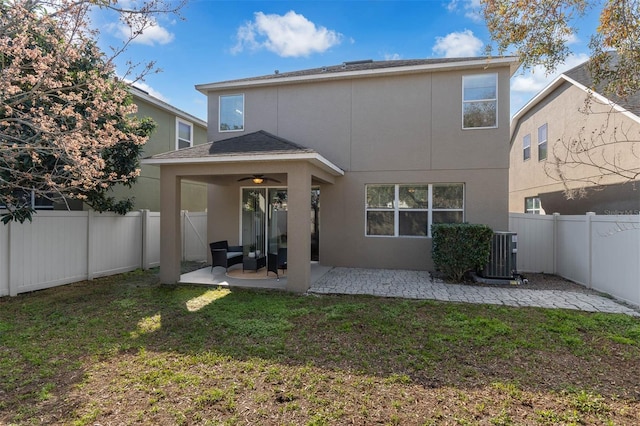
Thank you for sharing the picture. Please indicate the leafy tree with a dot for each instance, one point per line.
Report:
(66, 124)
(540, 31)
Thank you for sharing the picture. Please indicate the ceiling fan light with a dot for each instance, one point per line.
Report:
(257, 180)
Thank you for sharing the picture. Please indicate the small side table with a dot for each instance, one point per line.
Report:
(254, 263)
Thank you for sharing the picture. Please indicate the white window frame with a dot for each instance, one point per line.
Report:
(178, 139)
(526, 145)
(397, 210)
(543, 142)
(470, 101)
(32, 202)
(242, 113)
(537, 206)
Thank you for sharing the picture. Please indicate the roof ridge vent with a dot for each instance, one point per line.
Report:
(365, 61)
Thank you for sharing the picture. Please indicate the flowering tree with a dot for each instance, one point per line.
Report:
(66, 124)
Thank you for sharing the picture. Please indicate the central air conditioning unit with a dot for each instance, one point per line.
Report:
(502, 260)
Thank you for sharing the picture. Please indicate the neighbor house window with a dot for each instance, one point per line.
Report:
(184, 134)
(542, 142)
(29, 198)
(231, 113)
(526, 147)
(409, 210)
(532, 205)
(479, 101)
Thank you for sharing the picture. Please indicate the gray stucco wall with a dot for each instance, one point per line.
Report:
(402, 129)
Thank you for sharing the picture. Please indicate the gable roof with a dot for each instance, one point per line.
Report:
(256, 146)
(580, 77)
(257, 142)
(137, 92)
(366, 68)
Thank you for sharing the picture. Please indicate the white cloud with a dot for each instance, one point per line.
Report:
(472, 8)
(537, 78)
(525, 86)
(289, 35)
(392, 56)
(150, 90)
(458, 44)
(152, 35)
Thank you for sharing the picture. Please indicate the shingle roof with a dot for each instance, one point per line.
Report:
(582, 75)
(256, 143)
(365, 66)
(356, 66)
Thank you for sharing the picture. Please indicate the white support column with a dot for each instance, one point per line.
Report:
(299, 229)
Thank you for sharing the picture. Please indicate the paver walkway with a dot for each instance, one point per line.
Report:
(419, 285)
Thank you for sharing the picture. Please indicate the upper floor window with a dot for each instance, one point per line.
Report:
(184, 134)
(409, 210)
(542, 142)
(231, 113)
(532, 205)
(526, 147)
(479, 101)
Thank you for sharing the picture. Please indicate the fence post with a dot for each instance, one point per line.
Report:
(13, 285)
(144, 222)
(556, 216)
(90, 253)
(589, 226)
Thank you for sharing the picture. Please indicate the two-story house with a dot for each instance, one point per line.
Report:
(595, 138)
(387, 147)
(175, 129)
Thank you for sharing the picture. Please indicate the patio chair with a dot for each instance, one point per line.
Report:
(277, 261)
(222, 254)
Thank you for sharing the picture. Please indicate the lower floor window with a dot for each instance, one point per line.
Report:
(401, 210)
(22, 197)
(532, 205)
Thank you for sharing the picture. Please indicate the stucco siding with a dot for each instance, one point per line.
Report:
(343, 240)
(391, 129)
(146, 190)
(563, 110)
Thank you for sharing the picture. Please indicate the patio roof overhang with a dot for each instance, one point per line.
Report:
(312, 158)
(220, 163)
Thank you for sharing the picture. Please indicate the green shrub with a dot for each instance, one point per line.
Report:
(460, 247)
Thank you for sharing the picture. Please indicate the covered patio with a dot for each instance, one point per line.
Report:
(224, 165)
(220, 277)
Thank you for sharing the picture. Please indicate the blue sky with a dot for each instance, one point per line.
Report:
(223, 40)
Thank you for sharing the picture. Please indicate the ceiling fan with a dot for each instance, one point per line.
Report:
(258, 179)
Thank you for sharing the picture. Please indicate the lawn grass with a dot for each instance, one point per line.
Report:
(127, 350)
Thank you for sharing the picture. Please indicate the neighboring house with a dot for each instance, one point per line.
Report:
(175, 129)
(387, 147)
(558, 117)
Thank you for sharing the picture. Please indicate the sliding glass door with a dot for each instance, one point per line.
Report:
(277, 220)
(253, 219)
(264, 219)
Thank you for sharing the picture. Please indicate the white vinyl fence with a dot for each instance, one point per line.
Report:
(62, 247)
(599, 252)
